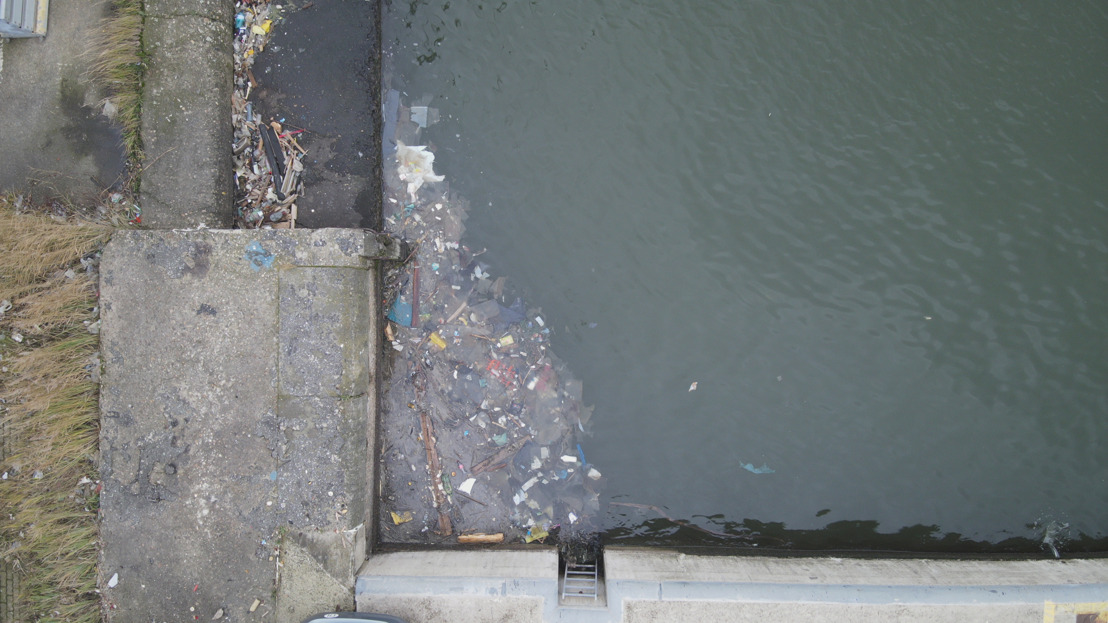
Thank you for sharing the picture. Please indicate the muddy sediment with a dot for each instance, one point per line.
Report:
(481, 423)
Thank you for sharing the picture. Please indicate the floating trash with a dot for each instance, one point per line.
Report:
(472, 380)
(764, 469)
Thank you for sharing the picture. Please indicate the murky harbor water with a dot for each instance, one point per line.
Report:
(874, 234)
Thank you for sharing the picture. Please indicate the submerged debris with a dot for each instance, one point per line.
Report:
(481, 425)
(268, 160)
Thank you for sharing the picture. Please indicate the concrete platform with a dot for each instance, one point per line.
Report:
(646, 585)
(238, 406)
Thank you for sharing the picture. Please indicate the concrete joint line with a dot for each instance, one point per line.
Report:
(176, 15)
(619, 590)
(335, 396)
(336, 266)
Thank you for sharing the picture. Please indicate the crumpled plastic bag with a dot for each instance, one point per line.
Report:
(764, 469)
(415, 166)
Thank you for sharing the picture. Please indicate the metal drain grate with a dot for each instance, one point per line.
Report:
(580, 581)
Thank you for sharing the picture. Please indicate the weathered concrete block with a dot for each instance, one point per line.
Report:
(321, 477)
(216, 10)
(324, 331)
(186, 123)
(187, 378)
(218, 438)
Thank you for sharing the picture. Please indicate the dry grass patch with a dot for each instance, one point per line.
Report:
(48, 407)
(118, 64)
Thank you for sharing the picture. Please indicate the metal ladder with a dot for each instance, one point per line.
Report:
(580, 580)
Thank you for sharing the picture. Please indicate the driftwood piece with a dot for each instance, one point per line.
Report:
(415, 294)
(481, 538)
(502, 455)
(435, 465)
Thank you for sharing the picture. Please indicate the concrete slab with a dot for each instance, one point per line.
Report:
(661, 565)
(459, 585)
(661, 585)
(539, 563)
(186, 121)
(55, 141)
(730, 612)
(238, 399)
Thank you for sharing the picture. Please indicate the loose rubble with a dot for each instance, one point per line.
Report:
(481, 422)
(268, 160)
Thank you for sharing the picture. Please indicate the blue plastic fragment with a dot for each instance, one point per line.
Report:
(258, 257)
(401, 313)
(273, 475)
(581, 453)
(764, 469)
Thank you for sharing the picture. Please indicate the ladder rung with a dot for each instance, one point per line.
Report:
(580, 580)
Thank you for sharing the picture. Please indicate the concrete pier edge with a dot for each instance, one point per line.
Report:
(238, 420)
(657, 584)
(239, 387)
(187, 183)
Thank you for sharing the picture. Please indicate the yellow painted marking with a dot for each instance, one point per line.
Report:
(1051, 610)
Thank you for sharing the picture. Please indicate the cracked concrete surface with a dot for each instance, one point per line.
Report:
(238, 400)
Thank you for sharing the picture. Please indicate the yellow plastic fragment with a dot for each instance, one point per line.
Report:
(257, 29)
(507, 340)
(399, 518)
(437, 340)
(536, 533)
